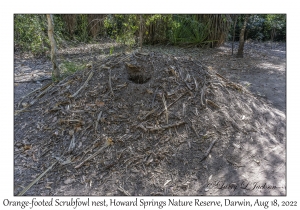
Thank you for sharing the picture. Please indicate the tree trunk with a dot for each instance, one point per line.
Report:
(273, 32)
(55, 69)
(141, 32)
(240, 53)
(233, 33)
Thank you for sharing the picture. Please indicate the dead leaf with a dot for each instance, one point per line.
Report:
(99, 103)
(27, 147)
(134, 170)
(71, 132)
(48, 185)
(54, 119)
(78, 128)
(34, 158)
(110, 141)
(149, 91)
(24, 104)
(69, 181)
(167, 182)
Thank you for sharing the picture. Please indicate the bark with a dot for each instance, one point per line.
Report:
(141, 32)
(55, 69)
(233, 33)
(273, 33)
(240, 53)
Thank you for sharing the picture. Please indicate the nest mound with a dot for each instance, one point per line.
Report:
(129, 124)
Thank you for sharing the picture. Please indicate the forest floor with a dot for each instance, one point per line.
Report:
(223, 133)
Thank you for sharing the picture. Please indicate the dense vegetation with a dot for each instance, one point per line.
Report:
(30, 30)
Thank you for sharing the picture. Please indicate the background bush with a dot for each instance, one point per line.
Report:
(30, 30)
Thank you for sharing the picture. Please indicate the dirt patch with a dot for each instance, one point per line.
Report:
(190, 129)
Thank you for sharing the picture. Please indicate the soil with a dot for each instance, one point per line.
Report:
(203, 123)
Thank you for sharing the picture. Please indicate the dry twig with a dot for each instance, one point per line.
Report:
(208, 150)
(212, 103)
(93, 155)
(36, 180)
(154, 98)
(172, 103)
(219, 75)
(110, 86)
(163, 127)
(85, 83)
(123, 191)
(97, 121)
(166, 108)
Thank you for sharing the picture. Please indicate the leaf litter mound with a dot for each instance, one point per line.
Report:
(136, 124)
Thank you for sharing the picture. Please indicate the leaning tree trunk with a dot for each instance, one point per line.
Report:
(55, 69)
(240, 52)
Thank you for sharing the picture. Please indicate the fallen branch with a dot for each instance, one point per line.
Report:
(148, 114)
(124, 191)
(154, 98)
(61, 121)
(194, 129)
(110, 87)
(166, 108)
(235, 86)
(196, 84)
(85, 83)
(142, 127)
(36, 180)
(93, 155)
(202, 94)
(33, 81)
(72, 144)
(97, 122)
(42, 93)
(152, 128)
(212, 103)
(208, 151)
(32, 102)
(219, 75)
(172, 103)
(23, 97)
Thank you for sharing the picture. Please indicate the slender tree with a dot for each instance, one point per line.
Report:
(240, 52)
(233, 32)
(55, 69)
(141, 32)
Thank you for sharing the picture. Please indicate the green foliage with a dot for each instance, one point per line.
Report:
(82, 30)
(276, 23)
(185, 29)
(260, 27)
(30, 33)
(255, 27)
(111, 50)
(122, 28)
(67, 68)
